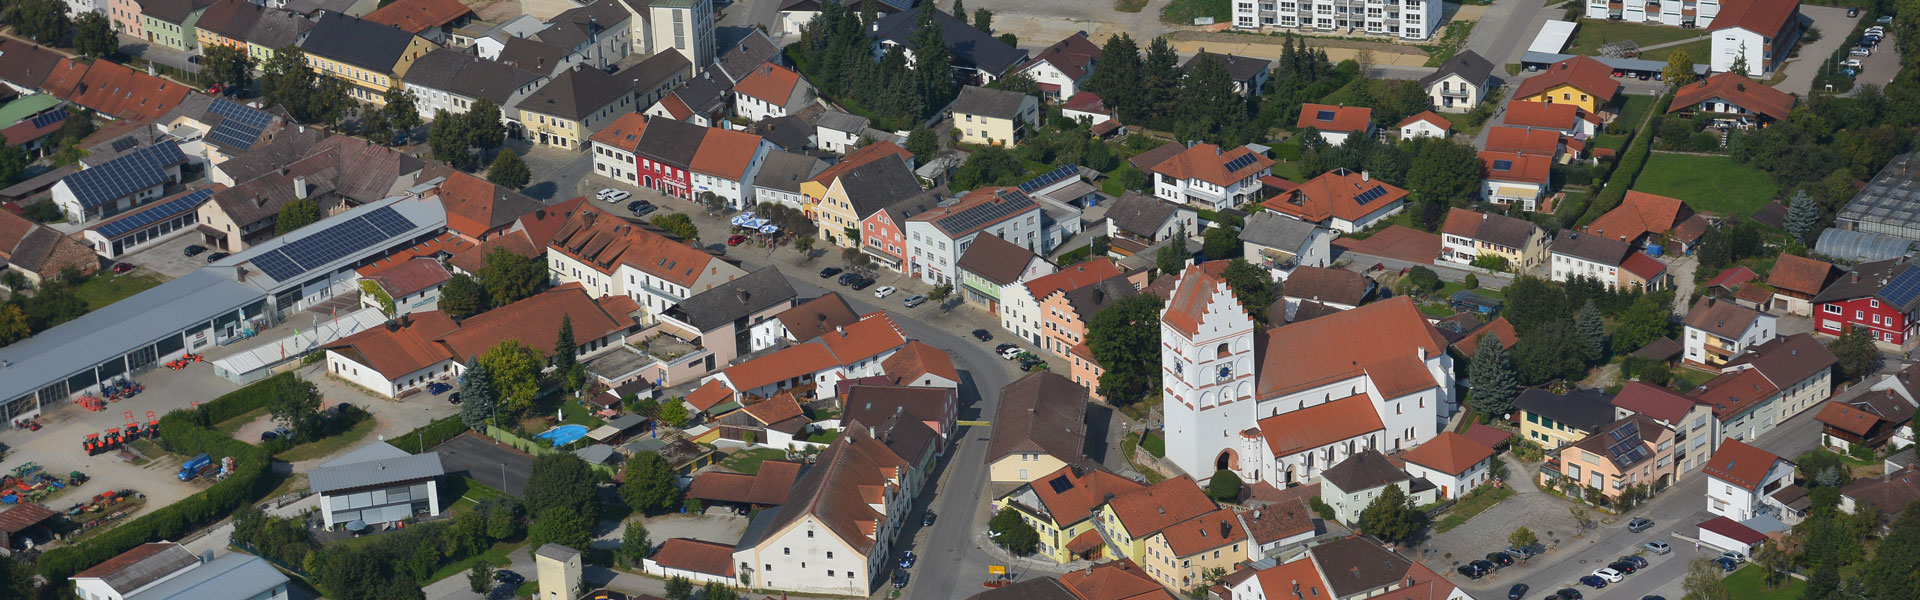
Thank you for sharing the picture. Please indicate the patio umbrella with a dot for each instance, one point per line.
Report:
(769, 229)
(356, 525)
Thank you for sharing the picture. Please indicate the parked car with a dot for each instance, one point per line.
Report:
(907, 559)
(268, 436)
(453, 398)
(1567, 594)
(1624, 567)
(1850, 72)
(1500, 559)
(1520, 553)
(603, 193)
(215, 257)
(983, 335)
(1861, 51)
(849, 278)
(899, 579)
(1470, 571)
(1657, 547)
(121, 268)
(1639, 524)
(862, 283)
(736, 239)
(1734, 556)
(1484, 565)
(1637, 562)
(617, 196)
(1518, 591)
(1851, 62)
(884, 291)
(1886, 20)
(829, 272)
(1644, 76)
(1853, 11)
(914, 300)
(508, 577)
(1619, 73)
(1593, 581)
(641, 208)
(1609, 574)
(193, 250)
(1003, 348)
(927, 520)
(436, 388)
(1727, 564)
(1653, 597)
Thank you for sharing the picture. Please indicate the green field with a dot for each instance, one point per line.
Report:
(1634, 109)
(107, 288)
(748, 461)
(1749, 583)
(1596, 33)
(1714, 184)
(1182, 12)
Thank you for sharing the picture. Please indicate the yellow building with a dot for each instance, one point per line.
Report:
(1468, 235)
(1580, 81)
(1129, 520)
(1554, 420)
(1061, 508)
(227, 23)
(276, 29)
(1181, 554)
(1037, 429)
(566, 111)
(988, 116)
(844, 194)
(371, 57)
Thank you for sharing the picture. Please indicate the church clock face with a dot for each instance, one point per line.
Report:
(1226, 372)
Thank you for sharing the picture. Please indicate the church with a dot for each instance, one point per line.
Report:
(1282, 405)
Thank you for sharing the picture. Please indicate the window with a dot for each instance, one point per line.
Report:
(1873, 303)
(1833, 309)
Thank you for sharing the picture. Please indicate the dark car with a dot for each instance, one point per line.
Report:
(1624, 567)
(193, 250)
(1500, 559)
(848, 278)
(1853, 11)
(1652, 597)
(1727, 564)
(268, 436)
(508, 577)
(641, 208)
(453, 398)
(927, 520)
(215, 257)
(829, 272)
(1471, 571)
(1568, 594)
(982, 335)
(1637, 562)
(1483, 565)
(436, 388)
(899, 579)
(907, 559)
(861, 283)
(1593, 581)
(1518, 591)
(122, 268)
(1639, 524)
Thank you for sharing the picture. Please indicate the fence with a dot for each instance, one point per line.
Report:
(535, 448)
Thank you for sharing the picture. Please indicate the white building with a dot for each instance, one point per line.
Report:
(1281, 244)
(119, 185)
(1207, 178)
(726, 164)
(610, 257)
(378, 484)
(1653, 12)
(683, 25)
(1760, 33)
(134, 571)
(453, 81)
(1741, 476)
(937, 238)
(1407, 19)
(1451, 462)
(839, 132)
(1350, 486)
(781, 173)
(1459, 84)
(771, 91)
(1425, 124)
(1062, 68)
(1718, 330)
(1376, 377)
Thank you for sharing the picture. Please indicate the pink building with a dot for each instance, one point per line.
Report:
(125, 15)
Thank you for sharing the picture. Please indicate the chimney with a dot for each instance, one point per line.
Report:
(240, 273)
(392, 325)
(300, 187)
(1365, 176)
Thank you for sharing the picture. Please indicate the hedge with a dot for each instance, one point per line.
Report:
(430, 435)
(184, 431)
(1628, 167)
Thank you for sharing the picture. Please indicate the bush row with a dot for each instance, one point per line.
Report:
(430, 435)
(1628, 169)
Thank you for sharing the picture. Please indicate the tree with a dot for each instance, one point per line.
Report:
(1491, 378)
(1253, 286)
(1592, 330)
(402, 112)
(476, 395)
(680, 225)
(13, 324)
(933, 62)
(45, 21)
(1894, 571)
(1391, 517)
(484, 130)
(1010, 531)
(1550, 352)
(462, 297)
(1423, 280)
(678, 588)
(561, 481)
(516, 373)
(991, 165)
(983, 20)
(1207, 103)
(923, 143)
(560, 526)
(1644, 321)
(1172, 257)
(1224, 486)
(675, 413)
(634, 544)
(449, 138)
(296, 213)
(1703, 582)
(13, 164)
(1740, 65)
(1117, 81)
(509, 277)
(1679, 70)
(715, 590)
(295, 404)
(226, 65)
(1160, 77)
(1522, 538)
(480, 579)
(960, 10)
(1125, 338)
(1857, 354)
(1803, 216)
(650, 485)
(1442, 170)
(93, 35)
(566, 355)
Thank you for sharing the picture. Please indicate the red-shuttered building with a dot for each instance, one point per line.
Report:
(1881, 297)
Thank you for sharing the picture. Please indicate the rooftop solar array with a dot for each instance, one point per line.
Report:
(985, 213)
(1503, 165)
(1626, 448)
(1060, 484)
(155, 214)
(1370, 195)
(1049, 178)
(1325, 115)
(295, 258)
(241, 125)
(1242, 162)
(50, 117)
(124, 176)
(126, 143)
(1903, 288)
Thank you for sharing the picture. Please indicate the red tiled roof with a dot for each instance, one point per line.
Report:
(1544, 142)
(1116, 580)
(873, 334)
(1734, 88)
(1740, 464)
(623, 133)
(112, 89)
(1382, 340)
(1560, 117)
(1334, 194)
(1734, 393)
(688, 554)
(1205, 532)
(726, 154)
(1292, 432)
(1643, 266)
(1080, 493)
(535, 321)
(473, 259)
(1528, 168)
(1430, 117)
(1207, 163)
(409, 277)
(1845, 417)
(398, 353)
(801, 359)
(1327, 117)
(1151, 509)
(780, 407)
(476, 206)
(1192, 296)
(1086, 102)
(708, 395)
(819, 315)
(1764, 17)
(108, 568)
(1732, 277)
(1584, 73)
(770, 83)
(769, 486)
(1449, 452)
(603, 241)
(1277, 582)
(22, 516)
(415, 16)
(1733, 529)
(1073, 56)
(916, 359)
(1488, 435)
(1072, 278)
(1639, 214)
(1500, 328)
(1800, 274)
(1654, 401)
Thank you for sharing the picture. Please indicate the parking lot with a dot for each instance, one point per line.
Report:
(1835, 27)
(166, 258)
(493, 465)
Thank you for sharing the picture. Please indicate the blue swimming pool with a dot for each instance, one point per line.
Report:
(564, 434)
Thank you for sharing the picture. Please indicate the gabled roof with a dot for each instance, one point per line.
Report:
(708, 395)
(1327, 117)
(1734, 530)
(1430, 117)
(1141, 213)
(996, 260)
(1155, 507)
(1146, 161)
(1720, 317)
(1891, 493)
(1510, 166)
(726, 154)
(1338, 286)
(1643, 266)
(625, 132)
(1734, 88)
(1874, 280)
(123, 176)
(770, 83)
(1736, 392)
(1741, 464)
(535, 321)
(1639, 214)
(769, 486)
(977, 210)
(699, 556)
(1585, 410)
(26, 64)
(476, 206)
(415, 16)
(1074, 492)
(1073, 56)
(970, 47)
(1654, 401)
(1358, 564)
(1582, 72)
(750, 52)
(916, 359)
(591, 235)
(1861, 414)
(1043, 413)
(783, 170)
(278, 28)
(1115, 580)
(408, 277)
(357, 42)
(110, 88)
(1382, 340)
(1239, 68)
(874, 185)
(575, 93)
(143, 565)
(1591, 247)
(1267, 228)
(532, 54)
(1765, 17)
(875, 404)
(374, 464)
(231, 18)
(841, 488)
(1291, 432)
(1337, 194)
(1787, 360)
(989, 102)
(1545, 142)
(776, 410)
(1626, 442)
(1732, 278)
(468, 75)
(859, 157)
(1465, 63)
(1072, 278)
(817, 316)
(1366, 469)
(1499, 328)
(1449, 453)
(171, 11)
(732, 301)
(1205, 532)
(1800, 274)
(1207, 163)
(1498, 229)
(1560, 117)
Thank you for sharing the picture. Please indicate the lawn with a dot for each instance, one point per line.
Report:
(1634, 110)
(330, 444)
(1701, 52)
(1611, 141)
(1714, 184)
(1183, 12)
(748, 461)
(107, 288)
(577, 413)
(1129, 6)
(496, 556)
(1749, 583)
(234, 424)
(1692, 378)
(1155, 445)
(1473, 504)
(1595, 33)
(466, 493)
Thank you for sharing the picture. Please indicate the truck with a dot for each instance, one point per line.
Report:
(194, 465)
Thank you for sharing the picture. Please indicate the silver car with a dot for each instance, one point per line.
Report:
(914, 300)
(1657, 547)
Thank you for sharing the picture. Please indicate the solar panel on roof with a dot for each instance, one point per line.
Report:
(1049, 178)
(1325, 115)
(1060, 484)
(124, 144)
(240, 126)
(49, 117)
(276, 266)
(155, 214)
(125, 175)
(1370, 195)
(1503, 165)
(980, 215)
(1625, 431)
(1903, 288)
(317, 250)
(1242, 162)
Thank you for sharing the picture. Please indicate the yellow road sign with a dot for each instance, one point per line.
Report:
(996, 569)
(974, 423)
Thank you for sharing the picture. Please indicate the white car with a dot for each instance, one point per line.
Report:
(1876, 30)
(884, 291)
(1610, 575)
(1851, 62)
(1859, 51)
(616, 196)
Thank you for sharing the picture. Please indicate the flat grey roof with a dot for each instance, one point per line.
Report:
(1633, 64)
(235, 576)
(371, 465)
(1892, 198)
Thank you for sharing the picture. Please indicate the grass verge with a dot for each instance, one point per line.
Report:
(1714, 184)
(1596, 33)
(1183, 12)
(330, 444)
(234, 424)
(107, 288)
(748, 461)
(1473, 504)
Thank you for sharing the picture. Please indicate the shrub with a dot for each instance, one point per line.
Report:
(1320, 508)
(430, 435)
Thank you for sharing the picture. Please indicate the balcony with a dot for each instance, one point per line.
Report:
(1454, 93)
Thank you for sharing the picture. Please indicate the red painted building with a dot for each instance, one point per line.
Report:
(665, 153)
(883, 233)
(1881, 297)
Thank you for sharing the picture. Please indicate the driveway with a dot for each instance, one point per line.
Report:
(1835, 26)
(493, 465)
